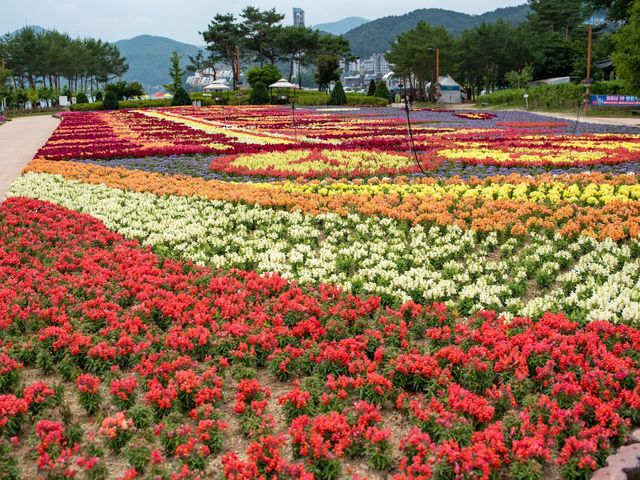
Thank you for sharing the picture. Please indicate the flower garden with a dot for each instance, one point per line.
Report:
(231, 293)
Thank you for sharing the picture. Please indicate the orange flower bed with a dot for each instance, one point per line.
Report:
(616, 220)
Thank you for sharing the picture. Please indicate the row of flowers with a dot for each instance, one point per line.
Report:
(618, 218)
(245, 132)
(586, 278)
(157, 350)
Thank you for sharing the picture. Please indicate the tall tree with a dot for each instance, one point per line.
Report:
(327, 71)
(297, 45)
(223, 36)
(261, 28)
(557, 16)
(627, 50)
(201, 62)
(414, 58)
(618, 10)
(175, 73)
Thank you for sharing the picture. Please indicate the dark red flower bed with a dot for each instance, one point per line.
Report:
(115, 362)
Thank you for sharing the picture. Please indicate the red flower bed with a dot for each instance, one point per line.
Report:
(321, 383)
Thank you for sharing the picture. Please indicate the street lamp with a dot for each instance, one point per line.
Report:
(588, 81)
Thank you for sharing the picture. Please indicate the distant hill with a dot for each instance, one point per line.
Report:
(376, 36)
(35, 28)
(341, 26)
(148, 59)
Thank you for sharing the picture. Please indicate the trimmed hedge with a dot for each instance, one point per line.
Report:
(302, 98)
(549, 97)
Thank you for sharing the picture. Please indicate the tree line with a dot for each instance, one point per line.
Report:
(551, 43)
(258, 37)
(38, 66)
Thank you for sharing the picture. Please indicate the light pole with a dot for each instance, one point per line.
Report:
(588, 80)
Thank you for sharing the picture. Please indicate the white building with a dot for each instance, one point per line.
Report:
(298, 17)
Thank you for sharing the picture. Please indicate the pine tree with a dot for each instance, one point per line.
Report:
(176, 73)
(180, 97)
(382, 91)
(81, 97)
(110, 101)
(338, 97)
(372, 88)
(259, 94)
(626, 57)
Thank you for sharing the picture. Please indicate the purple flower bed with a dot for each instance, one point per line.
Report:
(192, 166)
(447, 119)
(452, 169)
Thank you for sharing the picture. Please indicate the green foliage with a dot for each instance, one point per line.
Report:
(382, 91)
(142, 416)
(222, 36)
(99, 96)
(414, 54)
(9, 469)
(81, 97)
(327, 71)
(180, 97)
(261, 28)
(259, 94)
(338, 96)
(110, 101)
(519, 79)
(50, 57)
(557, 16)
(298, 45)
(266, 75)
(617, 10)
(139, 457)
(125, 90)
(90, 402)
(627, 53)
(372, 88)
(175, 73)
(546, 97)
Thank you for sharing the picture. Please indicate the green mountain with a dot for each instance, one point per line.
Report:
(36, 28)
(378, 35)
(341, 26)
(148, 59)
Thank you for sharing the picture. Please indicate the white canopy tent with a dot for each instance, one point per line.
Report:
(450, 90)
(282, 83)
(217, 86)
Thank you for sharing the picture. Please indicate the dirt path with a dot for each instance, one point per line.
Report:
(20, 139)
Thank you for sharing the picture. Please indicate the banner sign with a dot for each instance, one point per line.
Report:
(615, 101)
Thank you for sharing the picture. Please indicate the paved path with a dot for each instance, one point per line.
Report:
(623, 121)
(20, 139)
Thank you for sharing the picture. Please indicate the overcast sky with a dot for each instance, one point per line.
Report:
(118, 19)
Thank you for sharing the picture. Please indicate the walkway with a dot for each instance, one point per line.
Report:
(622, 121)
(20, 139)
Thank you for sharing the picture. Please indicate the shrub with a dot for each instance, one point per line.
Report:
(338, 96)
(99, 97)
(372, 88)
(268, 75)
(382, 91)
(82, 98)
(181, 97)
(259, 94)
(110, 102)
